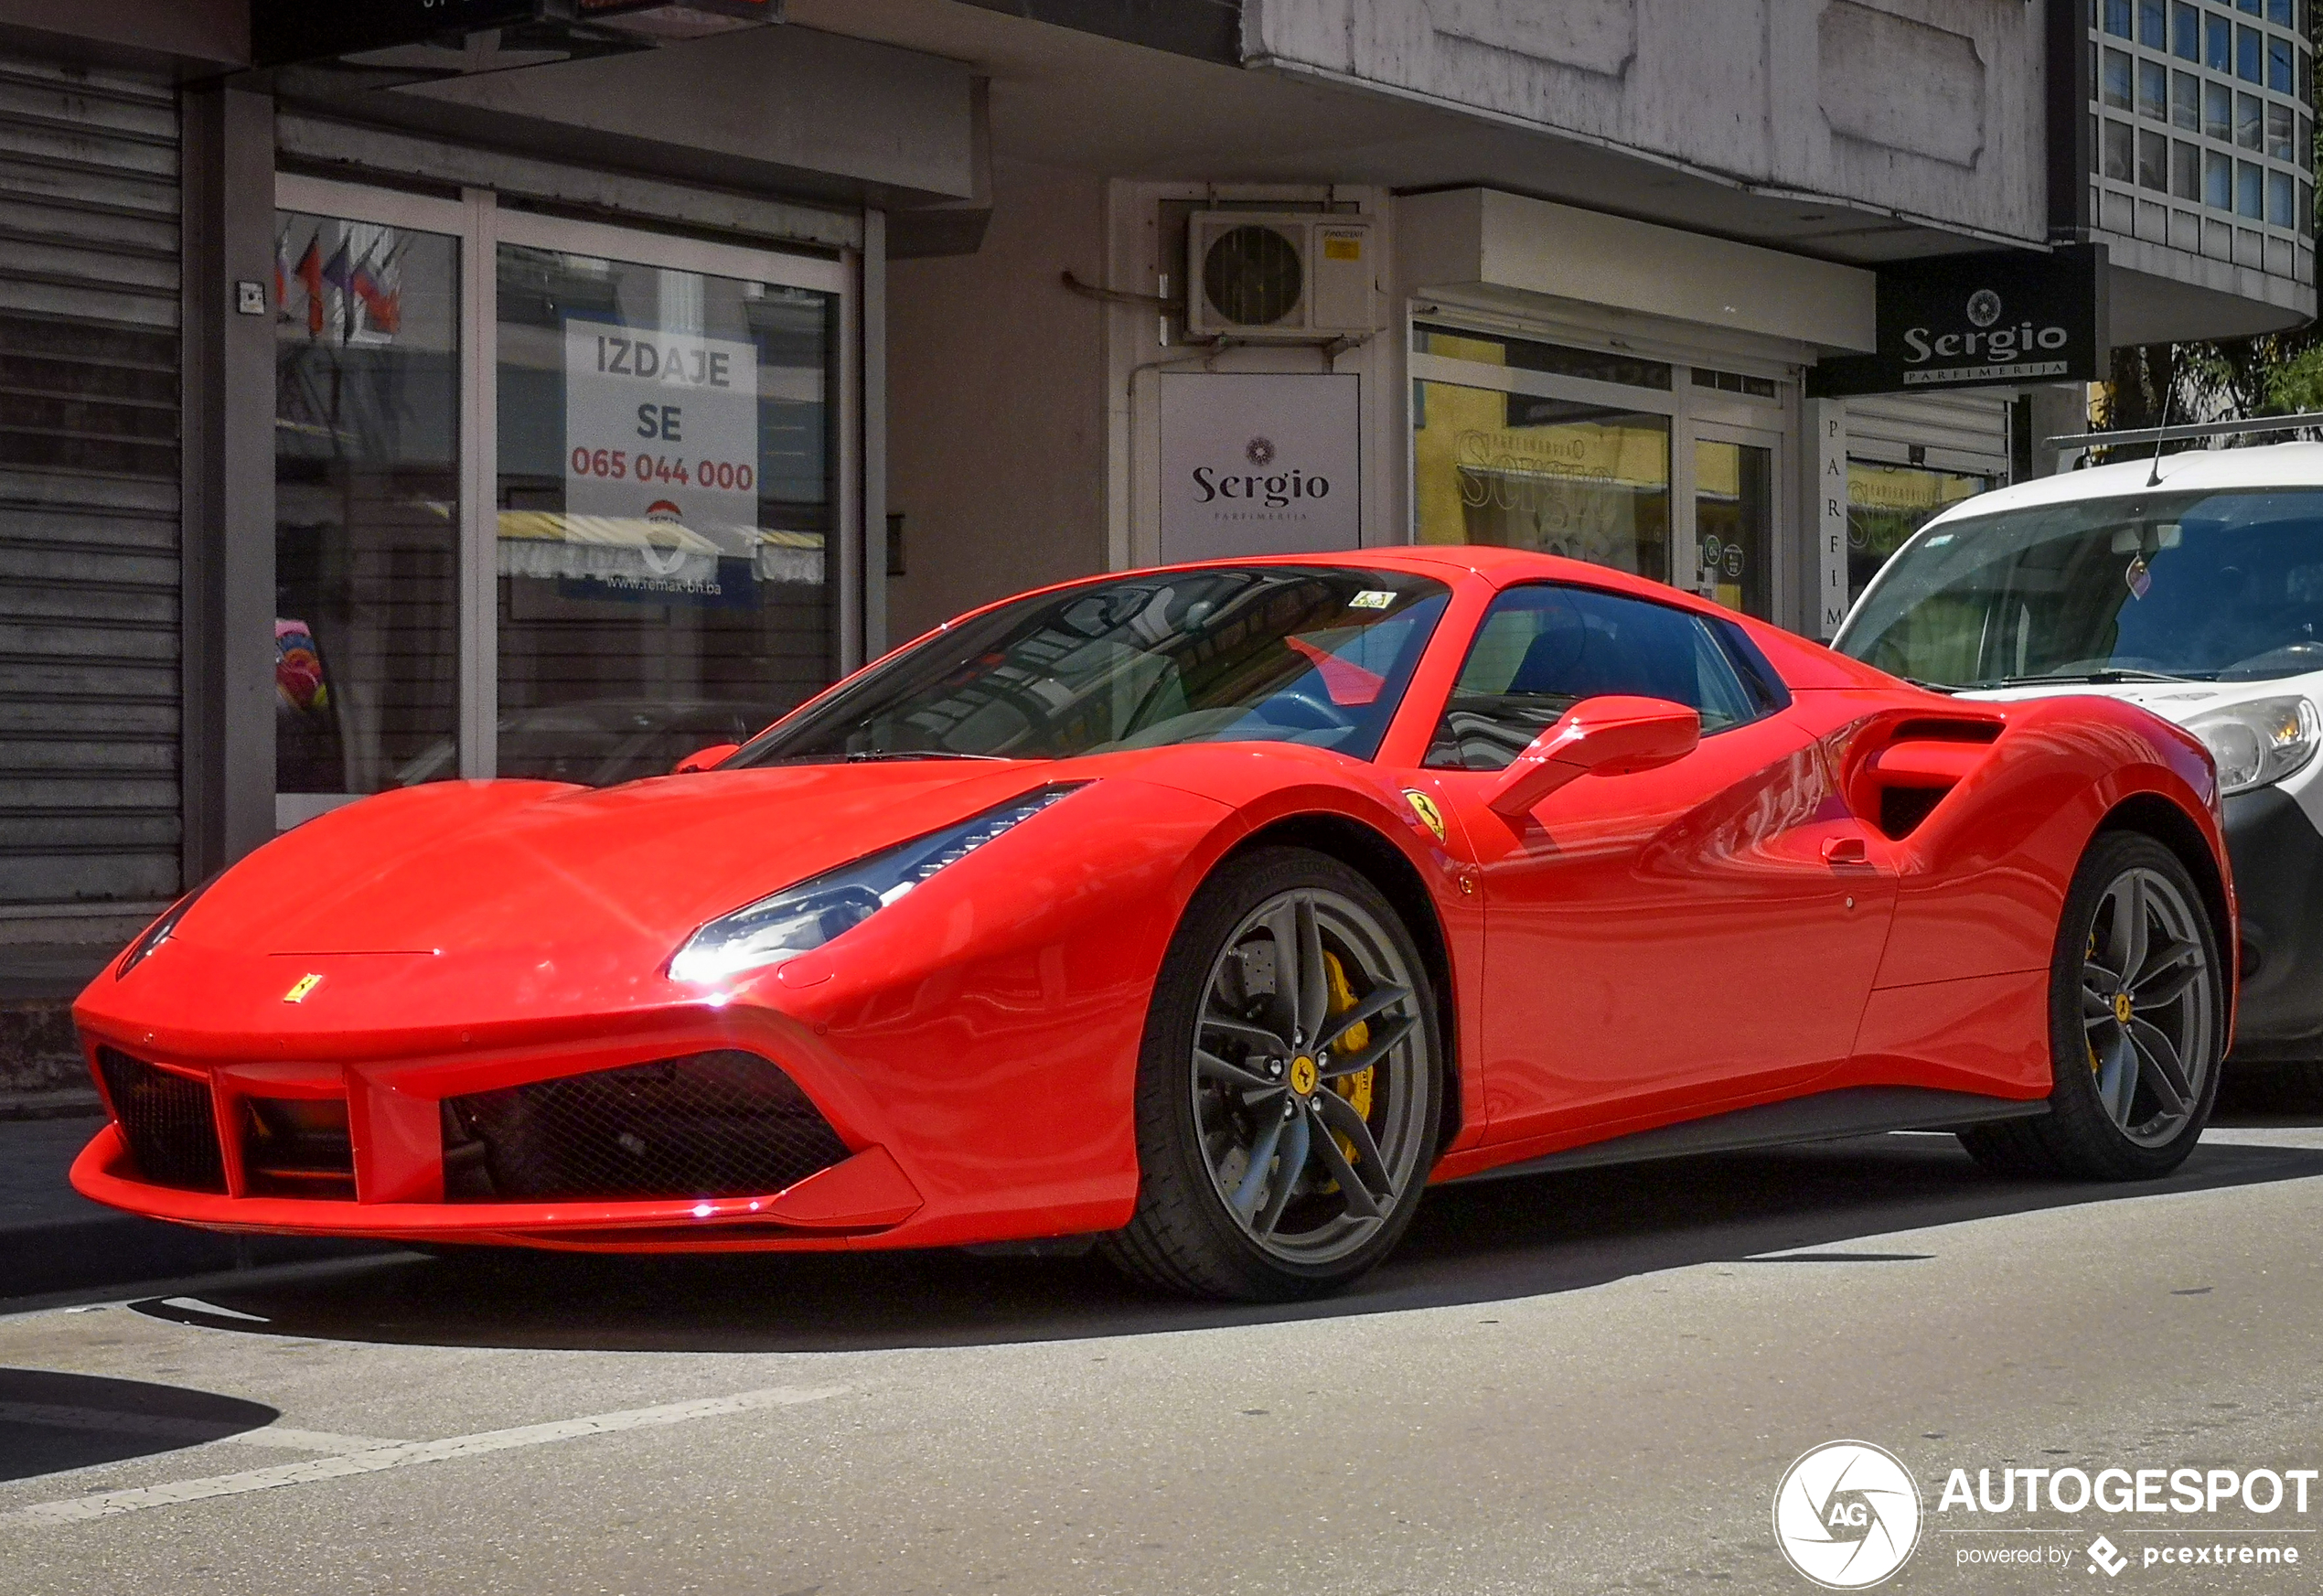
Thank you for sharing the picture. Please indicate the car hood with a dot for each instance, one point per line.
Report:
(470, 867)
(2175, 701)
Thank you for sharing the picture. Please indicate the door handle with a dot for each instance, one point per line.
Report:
(1845, 851)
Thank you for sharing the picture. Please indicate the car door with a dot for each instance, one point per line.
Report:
(1666, 939)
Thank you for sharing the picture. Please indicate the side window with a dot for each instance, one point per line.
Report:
(1542, 649)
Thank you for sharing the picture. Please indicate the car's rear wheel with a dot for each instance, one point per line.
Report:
(1289, 1087)
(2138, 1023)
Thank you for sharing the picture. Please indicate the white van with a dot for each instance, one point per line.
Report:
(2193, 586)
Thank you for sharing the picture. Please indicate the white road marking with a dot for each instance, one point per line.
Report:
(192, 1431)
(196, 1305)
(400, 1454)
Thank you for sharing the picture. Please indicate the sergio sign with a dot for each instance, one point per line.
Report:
(1983, 320)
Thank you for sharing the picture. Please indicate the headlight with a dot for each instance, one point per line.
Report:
(802, 918)
(158, 932)
(2257, 743)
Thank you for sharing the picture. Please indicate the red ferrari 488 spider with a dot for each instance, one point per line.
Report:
(1213, 912)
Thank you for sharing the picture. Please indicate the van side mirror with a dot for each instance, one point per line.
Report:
(703, 758)
(1611, 735)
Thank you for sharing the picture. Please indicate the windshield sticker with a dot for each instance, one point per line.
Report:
(1940, 540)
(2139, 577)
(1372, 598)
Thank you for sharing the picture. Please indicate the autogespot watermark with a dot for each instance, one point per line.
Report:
(1848, 1514)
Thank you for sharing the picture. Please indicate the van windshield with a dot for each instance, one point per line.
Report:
(2192, 586)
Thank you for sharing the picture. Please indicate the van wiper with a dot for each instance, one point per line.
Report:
(2110, 677)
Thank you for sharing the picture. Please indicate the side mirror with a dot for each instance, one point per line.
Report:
(1602, 736)
(703, 758)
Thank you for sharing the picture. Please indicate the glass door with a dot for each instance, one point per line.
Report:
(368, 334)
(665, 498)
(1736, 486)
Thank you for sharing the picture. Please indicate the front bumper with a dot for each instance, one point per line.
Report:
(656, 1153)
(2278, 880)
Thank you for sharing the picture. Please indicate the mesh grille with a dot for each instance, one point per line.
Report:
(727, 1124)
(298, 1147)
(172, 1135)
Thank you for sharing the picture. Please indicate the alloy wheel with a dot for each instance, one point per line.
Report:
(2147, 1006)
(1309, 1068)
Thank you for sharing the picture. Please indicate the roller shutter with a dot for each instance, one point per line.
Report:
(88, 492)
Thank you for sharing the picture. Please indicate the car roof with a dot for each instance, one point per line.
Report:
(2261, 465)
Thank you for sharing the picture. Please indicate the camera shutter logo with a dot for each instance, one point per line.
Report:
(1984, 307)
(1846, 1515)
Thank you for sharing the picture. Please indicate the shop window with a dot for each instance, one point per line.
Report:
(366, 492)
(1887, 504)
(664, 510)
(2186, 172)
(2218, 111)
(2153, 90)
(2218, 180)
(2250, 121)
(1559, 476)
(1529, 355)
(2279, 144)
(1733, 530)
(2186, 31)
(2250, 190)
(2119, 154)
(2116, 86)
(2279, 200)
(2186, 101)
(1735, 382)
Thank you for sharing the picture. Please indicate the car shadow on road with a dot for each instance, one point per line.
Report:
(1488, 1242)
(50, 1421)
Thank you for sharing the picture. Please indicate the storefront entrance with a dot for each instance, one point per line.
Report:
(553, 500)
(1668, 470)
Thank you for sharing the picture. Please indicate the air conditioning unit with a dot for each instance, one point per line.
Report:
(1252, 274)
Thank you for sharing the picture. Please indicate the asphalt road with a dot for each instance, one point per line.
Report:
(1582, 1383)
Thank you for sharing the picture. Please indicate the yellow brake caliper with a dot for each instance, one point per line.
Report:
(1356, 1088)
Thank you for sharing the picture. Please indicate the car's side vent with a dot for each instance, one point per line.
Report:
(1903, 773)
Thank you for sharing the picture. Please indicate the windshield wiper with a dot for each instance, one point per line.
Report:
(1944, 687)
(867, 755)
(2108, 678)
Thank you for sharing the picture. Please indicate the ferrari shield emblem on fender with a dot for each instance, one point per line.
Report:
(1425, 808)
(300, 987)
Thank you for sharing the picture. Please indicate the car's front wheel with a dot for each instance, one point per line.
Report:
(2137, 1021)
(1289, 1087)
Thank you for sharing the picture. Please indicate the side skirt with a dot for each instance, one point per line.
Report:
(1821, 1117)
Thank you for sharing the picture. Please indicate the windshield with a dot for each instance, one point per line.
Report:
(2200, 586)
(1260, 654)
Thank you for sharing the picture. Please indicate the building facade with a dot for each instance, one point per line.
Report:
(545, 388)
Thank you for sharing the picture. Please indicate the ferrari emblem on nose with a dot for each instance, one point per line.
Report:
(1429, 815)
(300, 987)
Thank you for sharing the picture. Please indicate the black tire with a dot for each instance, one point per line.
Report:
(1289, 1228)
(2134, 1052)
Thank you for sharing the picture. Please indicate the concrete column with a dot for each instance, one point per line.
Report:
(226, 468)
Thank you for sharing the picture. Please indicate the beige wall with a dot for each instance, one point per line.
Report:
(996, 404)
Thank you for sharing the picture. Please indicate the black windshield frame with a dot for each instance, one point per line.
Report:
(1318, 655)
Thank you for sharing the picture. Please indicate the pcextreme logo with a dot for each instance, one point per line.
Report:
(1846, 1515)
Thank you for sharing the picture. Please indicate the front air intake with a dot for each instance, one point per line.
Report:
(725, 1124)
(168, 1122)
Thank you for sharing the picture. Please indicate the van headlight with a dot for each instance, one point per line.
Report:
(2258, 742)
(800, 919)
